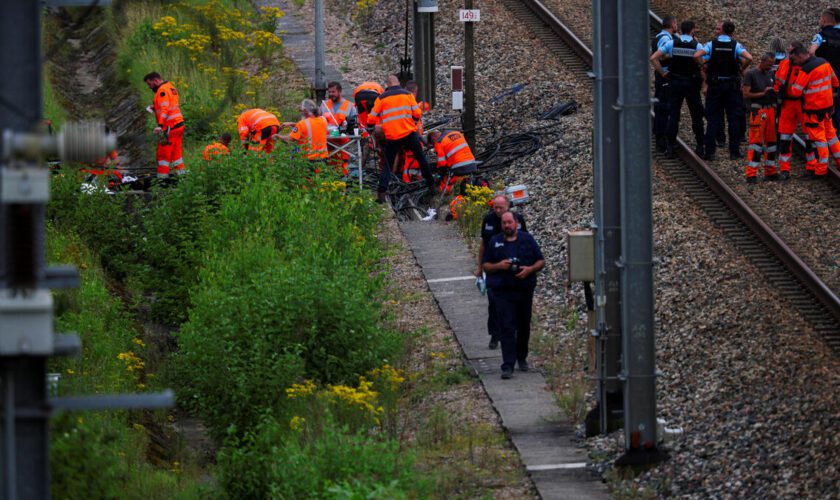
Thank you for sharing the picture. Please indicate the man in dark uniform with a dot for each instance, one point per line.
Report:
(684, 75)
(726, 60)
(491, 226)
(662, 85)
(512, 260)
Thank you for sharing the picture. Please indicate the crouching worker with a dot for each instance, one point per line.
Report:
(310, 133)
(512, 260)
(453, 154)
(257, 128)
(218, 148)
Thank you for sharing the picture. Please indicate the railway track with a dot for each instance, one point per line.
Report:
(780, 265)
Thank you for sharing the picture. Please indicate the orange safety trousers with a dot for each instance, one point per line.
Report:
(823, 137)
(170, 152)
(789, 117)
(762, 141)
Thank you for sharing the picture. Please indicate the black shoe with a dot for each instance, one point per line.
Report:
(494, 344)
(670, 151)
(523, 366)
(709, 157)
(784, 175)
(661, 144)
(809, 175)
(380, 197)
(735, 155)
(700, 151)
(720, 142)
(507, 373)
(771, 177)
(752, 180)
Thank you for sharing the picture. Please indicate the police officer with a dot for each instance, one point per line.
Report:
(684, 74)
(826, 44)
(491, 226)
(662, 85)
(512, 260)
(727, 59)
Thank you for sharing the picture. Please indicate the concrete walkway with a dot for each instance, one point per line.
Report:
(296, 31)
(529, 414)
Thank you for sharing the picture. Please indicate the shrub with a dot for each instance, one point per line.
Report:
(274, 462)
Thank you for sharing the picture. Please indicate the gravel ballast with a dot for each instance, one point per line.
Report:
(746, 377)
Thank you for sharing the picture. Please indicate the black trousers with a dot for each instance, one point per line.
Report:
(662, 93)
(513, 315)
(688, 90)
(724, 96)
(492, 323)
(410, 142)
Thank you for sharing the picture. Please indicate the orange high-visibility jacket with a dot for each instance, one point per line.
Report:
(252, 121)
(311, 134)
(452, 150)
(167, 106)
(338, 111)
(786, 74)
(364, 105)
(368, 86)
(217, 148)
(816, 85)
(397, 111)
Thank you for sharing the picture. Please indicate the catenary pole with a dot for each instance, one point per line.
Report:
(468, 118)
(607, 211)
(636, 235)
(320, 71)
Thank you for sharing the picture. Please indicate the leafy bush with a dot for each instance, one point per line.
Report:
(284, 289)
(273, 462)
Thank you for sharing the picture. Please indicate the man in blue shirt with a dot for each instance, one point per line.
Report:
(662, 86)
(684, 74)
(726, 61)
(512, 260)
(826, 44)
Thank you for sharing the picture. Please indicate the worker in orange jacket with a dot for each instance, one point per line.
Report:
(453, 154)
(310, 133)
(338, 111)
(816, 84)
(790, 114)
(408, 164)
(257, 128)
(395, 113)
(218, 148)
(170, 125)
(365, 96)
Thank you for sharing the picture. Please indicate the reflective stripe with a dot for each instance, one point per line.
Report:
(782, 81)
(808, 156)
(755, 147)
(819, 89)
(309, 133)
(398, 108)
(441, 159)
(162, 176)
(179, 161)
(797, 86)
(817, 82)
(753, 164)
(373, 114)
(463, 163)
(820, 144)
(164, 103)
(264, 117)
(784, 158)
(181, 171)
(785, 137)
(176, 115)
(770, 163)
(824, 160)
(163, 163)
(771, 149)
(456, 149)
(836, 154)
(397, 117)
(832, 141)
(412, 171)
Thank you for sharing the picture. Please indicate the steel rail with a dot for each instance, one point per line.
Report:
(791, 261)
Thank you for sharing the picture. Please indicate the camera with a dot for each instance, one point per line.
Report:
(514, 265)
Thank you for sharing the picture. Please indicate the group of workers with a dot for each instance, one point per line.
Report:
(389, 119)
(792, 85)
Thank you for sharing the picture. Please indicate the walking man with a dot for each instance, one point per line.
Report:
(170, 126)
(512, 260)
(491, 226)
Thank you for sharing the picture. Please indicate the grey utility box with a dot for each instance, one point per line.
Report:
(581, 255)
(26, 323)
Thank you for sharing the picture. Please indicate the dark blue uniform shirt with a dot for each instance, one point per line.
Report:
(525, 249)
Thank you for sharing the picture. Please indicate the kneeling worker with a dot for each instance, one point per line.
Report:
(512, 260)
(256, 130)
(453, 153)
(218, 148)
(310, 133)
